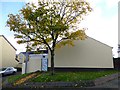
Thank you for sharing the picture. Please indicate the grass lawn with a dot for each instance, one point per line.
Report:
(72, 76)
(12, 79)
(64, 76)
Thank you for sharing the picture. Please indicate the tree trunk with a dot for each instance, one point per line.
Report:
(52, 62)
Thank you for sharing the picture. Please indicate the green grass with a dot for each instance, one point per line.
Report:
(71, 76)
(12, 79)
(64, 76)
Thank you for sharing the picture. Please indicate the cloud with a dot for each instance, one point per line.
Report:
(101, 28)
(111, 3)
(32, 1)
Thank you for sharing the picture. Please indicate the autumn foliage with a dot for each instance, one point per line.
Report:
(50, 24)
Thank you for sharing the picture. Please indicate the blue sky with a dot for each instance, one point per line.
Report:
(102, 22)
(8, 8)
(106, 11)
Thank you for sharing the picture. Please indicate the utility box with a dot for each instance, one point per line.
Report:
(44, 62)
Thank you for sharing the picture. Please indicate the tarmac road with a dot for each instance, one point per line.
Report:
(5, 77)
(110, 84)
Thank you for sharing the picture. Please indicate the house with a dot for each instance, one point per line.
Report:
(88, 53)
(7, 53)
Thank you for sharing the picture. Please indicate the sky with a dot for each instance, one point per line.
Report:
(102, 22)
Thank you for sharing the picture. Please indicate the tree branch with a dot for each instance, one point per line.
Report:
(63, 14)
(72, 18)
(46, 43)
(61, 40)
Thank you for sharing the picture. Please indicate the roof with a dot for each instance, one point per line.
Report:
(28, 52)
(35, 52)
(8, 41)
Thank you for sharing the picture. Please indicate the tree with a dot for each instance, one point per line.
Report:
(51, 24)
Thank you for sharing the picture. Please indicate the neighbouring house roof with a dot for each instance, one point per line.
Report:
(28, 52)
(8, 41)
(36, 52)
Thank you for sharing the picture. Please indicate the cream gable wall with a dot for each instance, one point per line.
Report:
(88, 53)
(8, 54)
(0, 52)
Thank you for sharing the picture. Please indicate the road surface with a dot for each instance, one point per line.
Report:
(5, 77)
(110, 84)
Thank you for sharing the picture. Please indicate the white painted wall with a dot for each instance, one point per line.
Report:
(23, 68)
(21, 58)
(34, 63)
(32, 66)
(87, 53)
